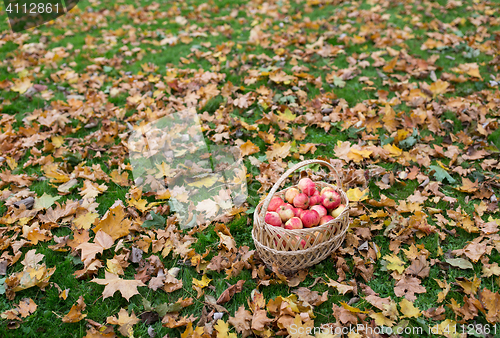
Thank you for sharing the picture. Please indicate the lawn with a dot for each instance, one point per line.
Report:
(401, 97)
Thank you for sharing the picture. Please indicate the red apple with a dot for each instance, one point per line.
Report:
(325, 219)
(307, 186)
(336, 212)
(275, 203)
(321, 210)
(294, 223)
(325, 189)
(286, 212)
(290, 194)
(273, 218)
(310, 218)
(301, 201)
(300, 212)
(331, 199)
(315, 199)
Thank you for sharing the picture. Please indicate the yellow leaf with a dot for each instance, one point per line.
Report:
(206, 182)
(395, 263)
(381, 320)
(470, 287)
(84, 221)
(57, 141)
(447, 328)
(357, 155)
(114, 222)
(140, 204)
(446, 288)
(222, 329)
(119, 179)
(351, 308)
(439, 87)
(356, 195)
(203, 282)
(287, 116)
(408, 310)
(248, 148)
(393, 150)
(11, 163)
(21, 86)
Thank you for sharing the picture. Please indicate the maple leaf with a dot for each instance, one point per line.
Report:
(341, 288)
(248, 148)
(75, 313)
(241, 321)
(357, 154)
(357, 195)
(45, 201)
(26, 307)
(118, 178)
(113, 283)
(287, 116)
(409, 310)
(394, 263)
(90, 250)
(203, 282)
(260, 320)
(439, 87)
(223, 330)
(381, 320)
(470, 287)
(491, 301)
(490, 270)
(85, 220)
(114, 222)
(125, 321)
(208, 206)
(281, 150)
(21, 85)
(419, 268)
(407, 287)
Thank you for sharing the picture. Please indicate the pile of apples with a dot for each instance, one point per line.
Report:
(306, 208)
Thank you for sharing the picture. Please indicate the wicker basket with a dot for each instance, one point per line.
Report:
(292, 250)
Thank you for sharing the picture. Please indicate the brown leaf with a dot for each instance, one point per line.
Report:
(241, 321)
(229, 292)
(75, 313)
(419, 268)
(407, 287)
(260, 320)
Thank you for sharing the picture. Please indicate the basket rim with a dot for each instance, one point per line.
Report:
(301, 252)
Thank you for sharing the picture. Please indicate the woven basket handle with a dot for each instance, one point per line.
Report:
(283, 177)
